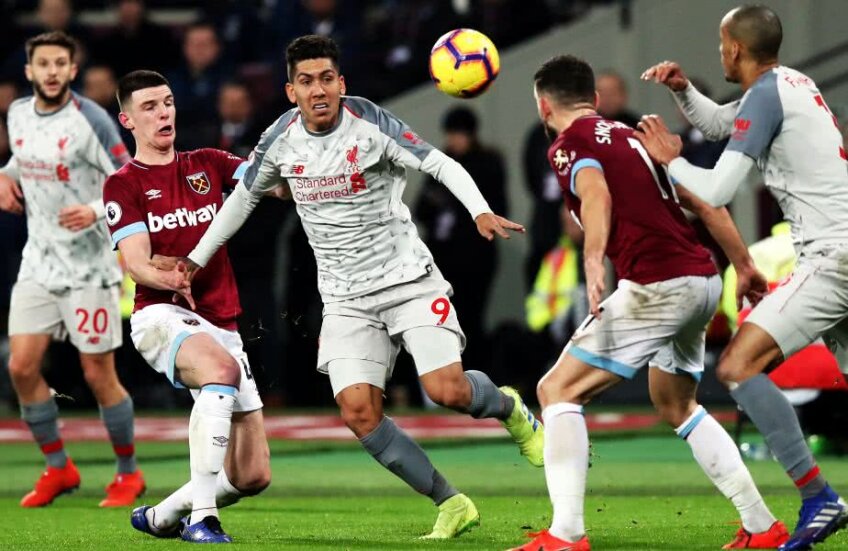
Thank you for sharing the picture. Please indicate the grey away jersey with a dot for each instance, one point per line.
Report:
(784, 124)
(62, 159)
(348, 184)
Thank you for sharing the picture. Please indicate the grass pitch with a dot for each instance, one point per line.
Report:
(644, 493)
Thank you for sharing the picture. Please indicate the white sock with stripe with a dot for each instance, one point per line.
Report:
(208, 437)
(168, 512)
(719, 458)
(566, 466)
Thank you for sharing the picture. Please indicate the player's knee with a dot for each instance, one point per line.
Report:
(674, 412)
(361, 418)
(730, 369)
(453, 393)
(256, 482)
(223, 369)
(21, 368)
(551, 390)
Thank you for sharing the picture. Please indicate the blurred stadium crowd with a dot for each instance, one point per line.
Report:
(225, 62)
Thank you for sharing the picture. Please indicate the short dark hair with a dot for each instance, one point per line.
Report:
(567, 79)
(311, 46)
(759, 28)
(138, 80)
(52, 38)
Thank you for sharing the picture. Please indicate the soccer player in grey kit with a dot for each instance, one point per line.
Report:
(343, 160)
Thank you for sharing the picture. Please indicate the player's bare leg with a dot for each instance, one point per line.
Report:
(41, 414)
(246, 472)
(361, 407)
(741, 369)
(116, 410)
(562, 393)
(716, 453)
(436, 351)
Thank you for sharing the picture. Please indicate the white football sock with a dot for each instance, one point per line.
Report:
(719, 458)
(208, 437)
(170, 510)
(566, 465)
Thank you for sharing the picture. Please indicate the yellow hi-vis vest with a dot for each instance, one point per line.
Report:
(554, 286)
(773, 256)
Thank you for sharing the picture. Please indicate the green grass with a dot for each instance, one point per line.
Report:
(644, 493)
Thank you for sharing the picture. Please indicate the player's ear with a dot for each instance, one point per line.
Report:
(597, 100)
(342, 85)
(125, 121)
(28, 72)
(290, 93)
(74, 70)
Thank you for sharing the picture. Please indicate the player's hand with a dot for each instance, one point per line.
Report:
(170, 263)
(595, 284)
(77, 217)
(179, 273)
(489, 225)
(11, 196)
(668, 73)
(657, 139)
(752, 285)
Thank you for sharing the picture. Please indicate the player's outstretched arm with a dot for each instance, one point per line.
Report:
(716, 186)
(596, 213)
(713, 120)
(136, 251)
(751, 284)
(235, 211)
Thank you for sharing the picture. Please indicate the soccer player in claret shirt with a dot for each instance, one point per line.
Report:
(667, 293)
(781, 133)
(160, 203)
(63, 148)
(344, 159)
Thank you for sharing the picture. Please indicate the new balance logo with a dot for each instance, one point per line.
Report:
(181, 218)
(153, 193)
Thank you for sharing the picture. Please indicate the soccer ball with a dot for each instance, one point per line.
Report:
(464, 63)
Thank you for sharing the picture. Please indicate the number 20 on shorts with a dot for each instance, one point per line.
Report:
(441, 307)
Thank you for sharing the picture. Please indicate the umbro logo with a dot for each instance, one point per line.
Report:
(153, 193)
(220, 441)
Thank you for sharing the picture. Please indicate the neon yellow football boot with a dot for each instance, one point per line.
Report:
(525, 429)
(457, 515)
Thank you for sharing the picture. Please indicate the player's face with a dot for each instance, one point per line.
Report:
(51, 71)
(151, 116)
(316, 88)
(729, 50)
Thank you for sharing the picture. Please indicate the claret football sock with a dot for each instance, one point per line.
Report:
(400, 454)
(720, 460)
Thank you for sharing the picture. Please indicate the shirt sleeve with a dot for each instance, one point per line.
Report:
(713, 120)
(11, 169)
(104, 149)
(567, 160)
(124, 214)
(231, 168)
(718, 185)
(261, 174)
(759, 119)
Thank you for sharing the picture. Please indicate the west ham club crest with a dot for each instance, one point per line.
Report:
(199, 183)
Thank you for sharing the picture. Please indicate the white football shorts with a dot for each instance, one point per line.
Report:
(158, 331)
(90, 317)
(362, 336)
(660, 324)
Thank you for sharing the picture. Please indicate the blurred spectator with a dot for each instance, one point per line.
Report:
(541, 182)
(340, 20)
(100, 85)
(238, 24)
(402, 40)
(8, 93)
(612, 99)
(52, 15)
(135, 43)
(196, 84)
(696, 148)
(238, 131)
(467, 261)
(507, 22)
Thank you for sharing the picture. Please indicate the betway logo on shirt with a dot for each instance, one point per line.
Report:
(181, 218)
